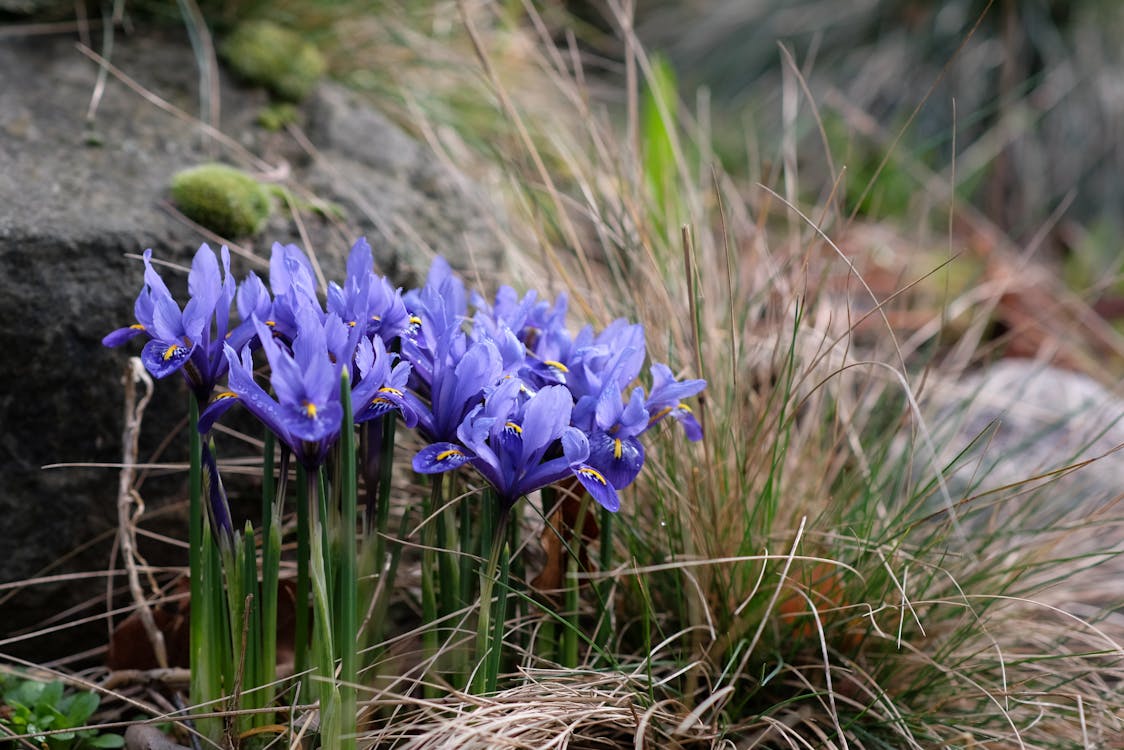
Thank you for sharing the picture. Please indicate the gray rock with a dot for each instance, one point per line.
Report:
(1012, 437)
(77, 197)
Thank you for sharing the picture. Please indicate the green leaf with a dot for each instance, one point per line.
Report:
(50, 696)
(107, 740)
(81, 708)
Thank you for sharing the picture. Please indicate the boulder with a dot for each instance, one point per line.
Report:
(1027, 448)
(82, 196)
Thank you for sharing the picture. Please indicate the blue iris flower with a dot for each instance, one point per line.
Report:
(437, 313)
(511, 439)
(458, 383)
(381, 385)
(294, 289)
(252, 301)
(368, 299)
(306, 414)
(666, 399)
(188, 340)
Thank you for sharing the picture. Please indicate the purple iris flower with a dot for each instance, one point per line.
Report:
(507, 310)
(437, 313)
(189, 340)
(458, 383)
(613, 445)
(381, 385)
(252, 301)
(294, 289)
(368, 298)
(511, 439)
(665, 399)
(616, 354)
(307, 412)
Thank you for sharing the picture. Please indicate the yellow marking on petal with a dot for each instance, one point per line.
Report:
(381, 400)
(171, 351)
(391, 391)
(415, 320)
(225, 394)
(310, 409)
(593, 474)
(376, 317)
(660, 414)
(512, 426)
(444, 455)
(351, 324)
(685, 408)
(137, 326)
(271, 323)
(556, 365)
(617, 448)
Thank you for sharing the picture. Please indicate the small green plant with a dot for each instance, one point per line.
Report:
(274, 57)
(223, 199)
(276, 116)
(37, 708)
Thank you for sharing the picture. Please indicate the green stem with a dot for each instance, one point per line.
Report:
(348, 560)
(572, 589)
(195, 551)
(570, 612)
(324, 648)
(206, 685)
(488, 647)
(604, 587)
(300, 646)
(250, 623)
(428, 585)
(273, 500)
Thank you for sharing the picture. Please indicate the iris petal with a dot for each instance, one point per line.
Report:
(161, 358)
(598, 487)
(439, 457)
(619, 459)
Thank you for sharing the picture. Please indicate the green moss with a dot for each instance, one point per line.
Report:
(274, 57)
(225, 200)
(275, 117)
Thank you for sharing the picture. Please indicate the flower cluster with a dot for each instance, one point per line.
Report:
(502, 385)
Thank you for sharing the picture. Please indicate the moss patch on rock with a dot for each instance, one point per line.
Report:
(225, 200)
(274, 57)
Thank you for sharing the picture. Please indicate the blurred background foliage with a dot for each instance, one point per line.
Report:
(889, 107)
(1031, 92)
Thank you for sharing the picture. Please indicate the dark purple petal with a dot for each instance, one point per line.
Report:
(218, 507)
(121, 335)
(439, 457)
(162, 358)
(597, 487)
(619, 459)
(220, 404)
